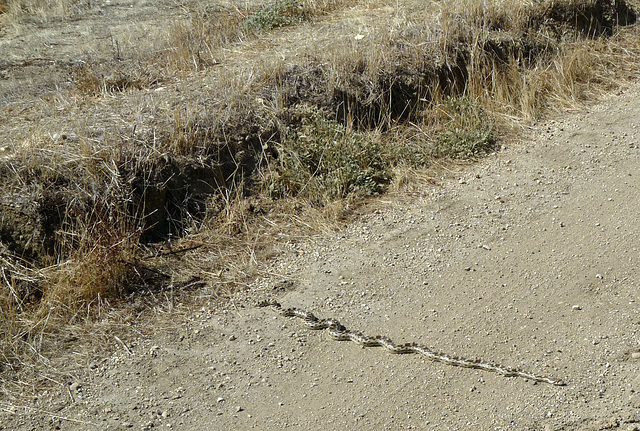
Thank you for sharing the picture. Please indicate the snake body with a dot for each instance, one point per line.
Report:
(339, 332)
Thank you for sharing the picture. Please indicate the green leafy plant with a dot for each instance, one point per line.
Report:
(325, 160)
(280, 13)
(467, 132)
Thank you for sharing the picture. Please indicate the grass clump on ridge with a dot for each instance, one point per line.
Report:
(41, 11)
(196, 41)
(102, 262)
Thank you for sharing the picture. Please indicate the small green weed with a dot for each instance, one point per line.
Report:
(467, 132)
(280, 13)
(324, 160)
(457, 128)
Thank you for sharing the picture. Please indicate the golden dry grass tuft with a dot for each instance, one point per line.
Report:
(105, 79)
(194, 43)
(39, 11)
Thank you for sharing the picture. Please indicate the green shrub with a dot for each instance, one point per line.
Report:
(280, 13)
(324, 160)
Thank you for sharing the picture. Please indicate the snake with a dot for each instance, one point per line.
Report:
(339, 332)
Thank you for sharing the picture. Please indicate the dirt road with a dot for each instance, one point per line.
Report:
(528, 259)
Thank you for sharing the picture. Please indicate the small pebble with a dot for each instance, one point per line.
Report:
(576, 307)
(220, 399)
(635, 355)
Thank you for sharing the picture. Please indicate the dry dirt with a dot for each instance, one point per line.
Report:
(527, 259)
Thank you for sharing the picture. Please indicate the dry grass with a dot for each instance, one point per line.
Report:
(39, 11)
(194, 43)
(234, 129)
(199, 40)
